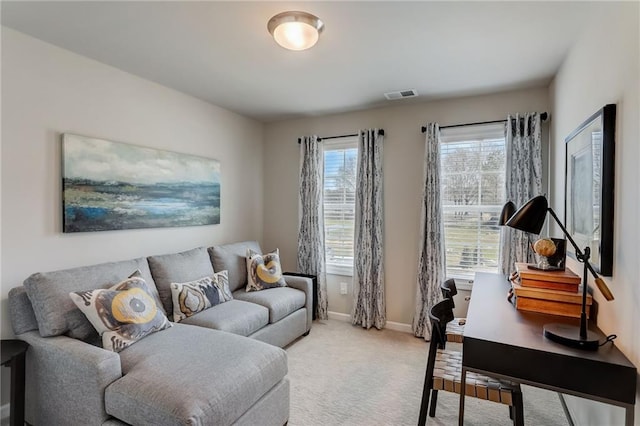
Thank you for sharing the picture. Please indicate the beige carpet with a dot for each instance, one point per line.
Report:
(345, 375)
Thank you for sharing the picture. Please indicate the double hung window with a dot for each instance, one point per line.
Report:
(472, 160)
(340, 157)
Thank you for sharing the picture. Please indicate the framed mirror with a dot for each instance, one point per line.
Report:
(589, 187)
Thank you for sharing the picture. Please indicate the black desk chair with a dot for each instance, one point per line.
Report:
(455, 328)
(444, 372)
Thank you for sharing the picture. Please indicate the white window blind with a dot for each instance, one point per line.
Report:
(340, 157)
(473, 192)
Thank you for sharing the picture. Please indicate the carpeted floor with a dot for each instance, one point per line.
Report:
(346, 375)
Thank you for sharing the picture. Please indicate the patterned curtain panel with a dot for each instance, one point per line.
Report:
(431, 254)
(523, 182)
(368, 267)
(311, 227)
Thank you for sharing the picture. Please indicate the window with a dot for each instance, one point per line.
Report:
(340, 157)
(472, 160)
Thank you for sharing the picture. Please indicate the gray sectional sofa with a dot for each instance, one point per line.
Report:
(221, 366)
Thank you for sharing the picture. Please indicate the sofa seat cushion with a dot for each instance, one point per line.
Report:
(234, 316)
(190, 375)
(280, 301)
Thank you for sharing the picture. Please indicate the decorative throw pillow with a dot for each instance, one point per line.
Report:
(195, 296)
(264, 271)
(138, 274)
(221, 280)
(122, 314)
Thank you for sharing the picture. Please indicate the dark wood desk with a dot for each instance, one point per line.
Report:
(504, 342)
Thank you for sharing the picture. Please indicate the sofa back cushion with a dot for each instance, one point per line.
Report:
(233, 258)
(55, 311)
(23, 318)
(180, 267)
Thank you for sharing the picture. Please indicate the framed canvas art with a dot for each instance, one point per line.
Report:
(110, 185)
(589, 187)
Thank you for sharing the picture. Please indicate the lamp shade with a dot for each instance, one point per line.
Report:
(507, 211)
(530, 217)
(295, 30)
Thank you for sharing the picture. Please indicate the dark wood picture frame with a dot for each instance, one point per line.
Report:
(589, 187)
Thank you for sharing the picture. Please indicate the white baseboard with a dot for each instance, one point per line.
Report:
(339, 316)
(399, 326)
(4, 412)
(391, 325)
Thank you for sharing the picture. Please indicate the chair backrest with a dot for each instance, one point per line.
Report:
(449, 290)
(440, 314)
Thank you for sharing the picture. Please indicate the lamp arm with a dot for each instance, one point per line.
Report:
(580, 255)
(571, 240)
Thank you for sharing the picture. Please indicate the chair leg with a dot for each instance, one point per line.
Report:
(518, 409)
(511, 412)
(434, 402)
(424, 405)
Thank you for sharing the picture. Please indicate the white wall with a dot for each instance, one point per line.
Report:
(403, 158)
(47, 91)
(604, 67)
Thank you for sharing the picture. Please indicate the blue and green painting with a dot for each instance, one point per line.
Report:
(111, 185)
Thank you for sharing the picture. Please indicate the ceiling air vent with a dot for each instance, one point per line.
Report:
(401, 94)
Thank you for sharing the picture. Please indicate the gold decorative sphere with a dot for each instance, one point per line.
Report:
(544, 247)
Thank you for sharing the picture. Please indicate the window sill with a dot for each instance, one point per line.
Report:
(463, 283)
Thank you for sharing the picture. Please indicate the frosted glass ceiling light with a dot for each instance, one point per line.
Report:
(295, 30)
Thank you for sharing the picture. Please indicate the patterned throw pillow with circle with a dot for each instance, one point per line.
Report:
(195, 296)
(264, 271)
(122, 314)
(221, 280)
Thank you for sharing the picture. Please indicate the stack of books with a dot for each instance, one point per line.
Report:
(549, 292)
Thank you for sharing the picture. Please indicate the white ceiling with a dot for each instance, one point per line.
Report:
(221, 51)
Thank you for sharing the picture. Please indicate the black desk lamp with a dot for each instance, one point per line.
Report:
(507, 211)
(530, 218)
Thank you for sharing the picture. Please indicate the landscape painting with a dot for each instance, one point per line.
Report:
(111, 185)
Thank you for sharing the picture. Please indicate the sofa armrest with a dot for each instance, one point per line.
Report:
(304, 284)
(66, 380)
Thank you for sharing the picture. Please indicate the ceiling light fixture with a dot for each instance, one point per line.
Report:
(295, 30)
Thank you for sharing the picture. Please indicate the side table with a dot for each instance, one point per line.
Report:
(13, 356)
(314, 280)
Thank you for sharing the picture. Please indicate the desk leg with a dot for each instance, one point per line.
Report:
(463, 381)
(629, 414)
(16, 415)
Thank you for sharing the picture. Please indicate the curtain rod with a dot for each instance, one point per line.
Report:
(543, 116)
(380, 132)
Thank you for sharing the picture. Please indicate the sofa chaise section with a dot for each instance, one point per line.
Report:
(195, 376)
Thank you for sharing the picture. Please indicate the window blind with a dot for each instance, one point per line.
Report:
(340, 157)
(473, 192)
